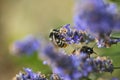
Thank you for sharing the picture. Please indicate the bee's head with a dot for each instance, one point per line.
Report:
(86, 49)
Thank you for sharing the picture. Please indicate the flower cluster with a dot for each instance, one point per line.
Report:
(26, 46)
(29, 75)
(97, 17)
(75, 66)
(74, 36)
(69, 36)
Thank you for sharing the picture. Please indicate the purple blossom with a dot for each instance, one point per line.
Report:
(26, 46)
(70, 36)
(115, 79)
(107, 43)
(97, 17)
(64, 65)
(29, 75)
(55, 77)
(67, 26)
(77, 66)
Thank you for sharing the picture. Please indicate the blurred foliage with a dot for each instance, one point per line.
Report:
(31, 61)
(116, 1)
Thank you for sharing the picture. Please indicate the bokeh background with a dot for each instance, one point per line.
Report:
(19, 18)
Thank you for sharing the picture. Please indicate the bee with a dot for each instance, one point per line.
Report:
(57, 39)
(87, 50)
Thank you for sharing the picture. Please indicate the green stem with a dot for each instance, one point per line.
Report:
(116, 67)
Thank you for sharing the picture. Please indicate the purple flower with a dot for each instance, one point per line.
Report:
(55, 77)
(29, 75)
(67, 26)
(76, 37)
(64, 65)
(108, 43)
(26, 46)
(77, 66)
(97, 17)
(115, 79)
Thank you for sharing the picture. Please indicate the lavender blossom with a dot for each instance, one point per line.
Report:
(97, 17)
(104, 64)
(26, 46)
(29, 75)
(63, 65)
(68, 36)
(107, 43)
(115, 79)
(77, 66)
(55, 77)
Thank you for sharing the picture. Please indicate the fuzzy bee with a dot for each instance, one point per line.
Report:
(85, 49)
(57, 39)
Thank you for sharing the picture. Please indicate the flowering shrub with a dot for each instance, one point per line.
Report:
(94, 21)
